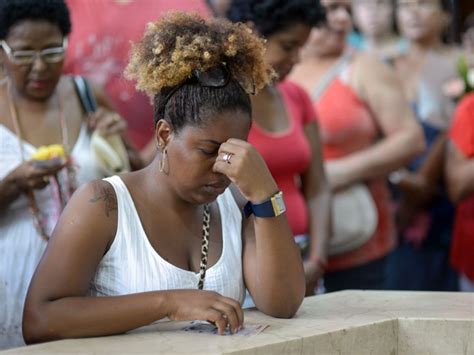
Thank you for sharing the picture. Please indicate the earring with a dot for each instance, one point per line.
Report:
(164, 166)
(3, 75)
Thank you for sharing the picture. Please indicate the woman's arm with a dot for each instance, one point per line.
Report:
(459, 172)
(318, 198)
(419, 188)
(273, 269)
(402, 137)
(57, 305)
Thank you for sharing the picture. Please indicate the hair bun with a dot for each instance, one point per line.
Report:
(182, 43)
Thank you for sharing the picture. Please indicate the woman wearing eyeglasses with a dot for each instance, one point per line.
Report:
(176, 240)
(38, 107)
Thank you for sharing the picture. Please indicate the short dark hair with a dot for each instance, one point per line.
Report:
(14, 11)
(271, 16)
(446, 5)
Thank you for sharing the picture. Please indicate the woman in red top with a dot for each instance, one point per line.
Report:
(284, 128)
(460, 180)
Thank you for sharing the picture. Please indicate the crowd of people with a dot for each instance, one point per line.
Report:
(182, 164)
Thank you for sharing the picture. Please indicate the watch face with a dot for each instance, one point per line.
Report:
(278, 204)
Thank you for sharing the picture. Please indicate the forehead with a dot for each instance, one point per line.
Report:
(419, 2)
(34, 31)
(294, 32)
(336, 2)
(219, 127)
(372, 2)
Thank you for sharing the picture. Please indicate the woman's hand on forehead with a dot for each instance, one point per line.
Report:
(245, 167)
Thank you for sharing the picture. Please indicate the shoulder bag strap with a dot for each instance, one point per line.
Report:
(85, 94)
(330, 75)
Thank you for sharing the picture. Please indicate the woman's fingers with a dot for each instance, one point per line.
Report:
(38, 183)
(245, 167)
(230, 157)
(36, 174)
(207, 305)
(230, 314)
(108, 123)
(238, 309)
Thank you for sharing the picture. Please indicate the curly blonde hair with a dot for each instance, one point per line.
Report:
(180, 43)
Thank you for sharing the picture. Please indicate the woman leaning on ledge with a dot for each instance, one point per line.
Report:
(168, 240)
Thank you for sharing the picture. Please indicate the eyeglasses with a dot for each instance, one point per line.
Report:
(27, 57)
(373, 3)
(424, 4)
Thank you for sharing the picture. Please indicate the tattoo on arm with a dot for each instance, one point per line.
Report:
(103, 192)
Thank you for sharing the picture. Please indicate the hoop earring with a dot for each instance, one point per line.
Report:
(164, 165)
(3, 75)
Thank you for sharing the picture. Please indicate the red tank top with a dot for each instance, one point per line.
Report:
(288, 153)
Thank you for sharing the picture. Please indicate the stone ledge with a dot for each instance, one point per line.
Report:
(348, 322)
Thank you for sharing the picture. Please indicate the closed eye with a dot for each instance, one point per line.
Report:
(209, 153)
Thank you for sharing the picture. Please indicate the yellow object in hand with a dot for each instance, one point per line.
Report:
(49, 152)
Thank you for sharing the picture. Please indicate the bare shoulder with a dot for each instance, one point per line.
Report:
(102, 194)
(369, 66)
(371, 75)
(86, 228)
(93, 207)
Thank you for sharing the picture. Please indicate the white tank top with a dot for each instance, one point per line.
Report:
(132, 265)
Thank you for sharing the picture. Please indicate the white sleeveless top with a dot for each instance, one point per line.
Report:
(21, 247)
(132, 265)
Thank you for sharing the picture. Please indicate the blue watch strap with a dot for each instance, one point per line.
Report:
(264, 209)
